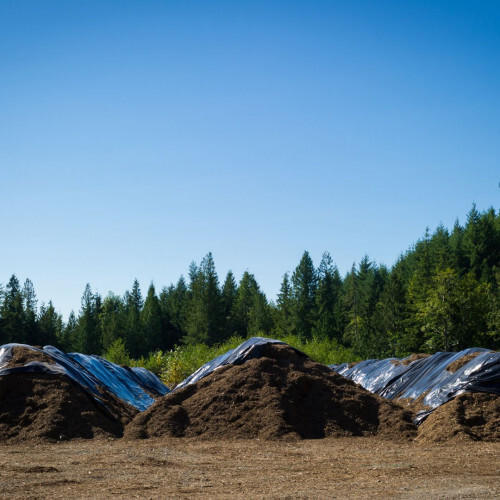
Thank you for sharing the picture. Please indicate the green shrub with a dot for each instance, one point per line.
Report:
(184, 360)
(155, 362)
(118, 353)
(326, 351)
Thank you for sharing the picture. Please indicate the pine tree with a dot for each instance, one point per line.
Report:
(213, 300)
(181, 307)
(304, 285)
(151, 322)
(31, 327)
(260, 320)
(378, 341)
(205, 316)
(490, 234)
(284, 309)
(12, 313)
(70, 334)
(364, 287)
(196, 324)
(112, 320)
(174, 303)
(51, 326)
(355, 328)
(134, 338)
(481, 243)
(88, 329)
(327, 298)
(229, 295)
(460, 261)
(418, 287)
(245, 296)
(392, 313)
(369, 285)
(440, 250)
(422, 275)
(193, 275)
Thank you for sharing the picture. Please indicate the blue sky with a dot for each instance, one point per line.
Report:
(137, 136)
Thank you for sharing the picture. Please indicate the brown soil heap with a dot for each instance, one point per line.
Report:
(23, 355)
(413, 405)
(456, 365)
(53, 407)
(470, 416)
(410, 359)
(283, 394)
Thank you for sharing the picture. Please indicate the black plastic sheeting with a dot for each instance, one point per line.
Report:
(250, 349)
(393, 379)
(133, 386)
(149, 381)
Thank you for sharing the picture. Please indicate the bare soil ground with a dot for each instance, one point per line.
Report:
(355, 467)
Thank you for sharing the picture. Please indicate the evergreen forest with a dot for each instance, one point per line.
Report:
(443, 293)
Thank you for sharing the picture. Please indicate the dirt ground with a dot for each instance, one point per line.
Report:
(355, 467)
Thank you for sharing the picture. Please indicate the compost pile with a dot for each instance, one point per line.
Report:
(460, 362)
(23, 355)
(281, 395)
(53, 407)
(410, 359)
(263, 389)
(467, 417)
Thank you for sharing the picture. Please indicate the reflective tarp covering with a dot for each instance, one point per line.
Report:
(429, 377)
(122, 382)
(135, 387)
(149, 381)
(250, 349)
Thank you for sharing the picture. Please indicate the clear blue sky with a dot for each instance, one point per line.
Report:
(136, 136)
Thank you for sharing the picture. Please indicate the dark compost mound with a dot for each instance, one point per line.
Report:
(467, 417)
(282, 394)
(23, 355)
(460, 362)
(53, 407)
(410, 359)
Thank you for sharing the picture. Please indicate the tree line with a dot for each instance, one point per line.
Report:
(443, 293)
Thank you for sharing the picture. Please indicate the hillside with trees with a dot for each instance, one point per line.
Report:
(443, 293)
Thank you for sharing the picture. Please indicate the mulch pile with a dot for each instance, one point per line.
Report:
(456, 365)
(413, 405)
(282, 395)
(468, 417)
(22, 355)
(53, 407)
(410, 359)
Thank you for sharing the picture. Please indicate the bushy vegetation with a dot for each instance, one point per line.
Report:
(443, 293)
